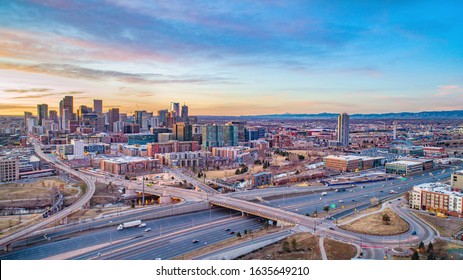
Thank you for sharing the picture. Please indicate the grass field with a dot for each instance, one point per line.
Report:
(446, 227)
(373, 224)
(307, 249)
(336, 250)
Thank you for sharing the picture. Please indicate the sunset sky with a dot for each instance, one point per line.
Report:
(233, 57)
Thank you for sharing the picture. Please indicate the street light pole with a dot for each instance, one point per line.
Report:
(143, 192)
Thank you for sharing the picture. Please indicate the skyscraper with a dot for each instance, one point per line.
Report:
(343, 129)
(241, 125)
(162, 117)
(97, 106)
(184, 114)
(230, 135)
(213, 136)
(26, 116)
(67, 103)
(113, 116)
(182, 131)
(42, 112)
(53, 115)
(175, 108)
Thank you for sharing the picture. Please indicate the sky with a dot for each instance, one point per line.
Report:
(233, 57)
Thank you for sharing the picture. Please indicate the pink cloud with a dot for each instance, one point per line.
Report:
(42, 46)
(449, 90)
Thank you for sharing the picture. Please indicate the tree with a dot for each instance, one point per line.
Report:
(386, 219)
(430, 247)
(238, 234)
(431, 255)
(285, 247)
(301, 157)
(237, 171)
(374, 201)
(326, 208)
(245, 231)
(294, 244)
(421, 247)
(127, 177)
(415, 255)
(298, 172)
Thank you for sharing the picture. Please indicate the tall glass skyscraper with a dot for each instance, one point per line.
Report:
(343, 129)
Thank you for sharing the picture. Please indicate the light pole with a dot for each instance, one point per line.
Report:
(110, 237)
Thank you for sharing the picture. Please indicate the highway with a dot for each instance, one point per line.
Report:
(298, 204)
(7, 241)
(82, 240)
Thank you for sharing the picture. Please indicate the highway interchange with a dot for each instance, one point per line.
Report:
(208, 227)
(173, 235)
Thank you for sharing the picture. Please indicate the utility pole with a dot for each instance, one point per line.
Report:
(143, 192)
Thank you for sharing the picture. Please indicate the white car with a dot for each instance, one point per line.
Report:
(142, 225)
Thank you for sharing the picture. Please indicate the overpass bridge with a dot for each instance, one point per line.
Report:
(268, 212)
(60, 215)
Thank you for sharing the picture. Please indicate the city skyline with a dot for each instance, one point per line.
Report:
(240, 58)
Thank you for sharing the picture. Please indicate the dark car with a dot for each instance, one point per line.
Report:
(414, 232)
(195, 241)
(231, 232)
(331, 228)
(227, 229)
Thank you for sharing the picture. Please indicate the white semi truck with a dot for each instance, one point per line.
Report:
(136, 223)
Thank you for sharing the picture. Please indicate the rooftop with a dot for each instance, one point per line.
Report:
(127, 159)
(405, 162)
(438, 188)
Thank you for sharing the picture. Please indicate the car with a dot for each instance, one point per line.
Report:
(195, 241)
(366, 195)
(398, 199)
(231, 232)
(331, 228)
(148, 229)
(227, 229)
(381, 191)
(353, 200)
(390, 202)
(414, 232)
(142, 225)
(340, 201)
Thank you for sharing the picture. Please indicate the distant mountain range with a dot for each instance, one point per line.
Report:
(457, 114)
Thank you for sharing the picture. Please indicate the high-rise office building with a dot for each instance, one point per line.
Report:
(113, 116)
(230, 135)
(241, 125)
(67, 103)
(213, 136)
(83, 110)
(64, 119)
(175, 107)
(27, 115)
(343, 129)
(53, 115)
(42, 112)
(98, 106)
(184, 114)
(162, 114)
(142, 118)
(182, 131)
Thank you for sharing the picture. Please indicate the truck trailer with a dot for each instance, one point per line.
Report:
(136, 223)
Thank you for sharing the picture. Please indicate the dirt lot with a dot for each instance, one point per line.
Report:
(373, 224)
(446, 227)
(307, 249)
(336, 250)
(33, 190)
